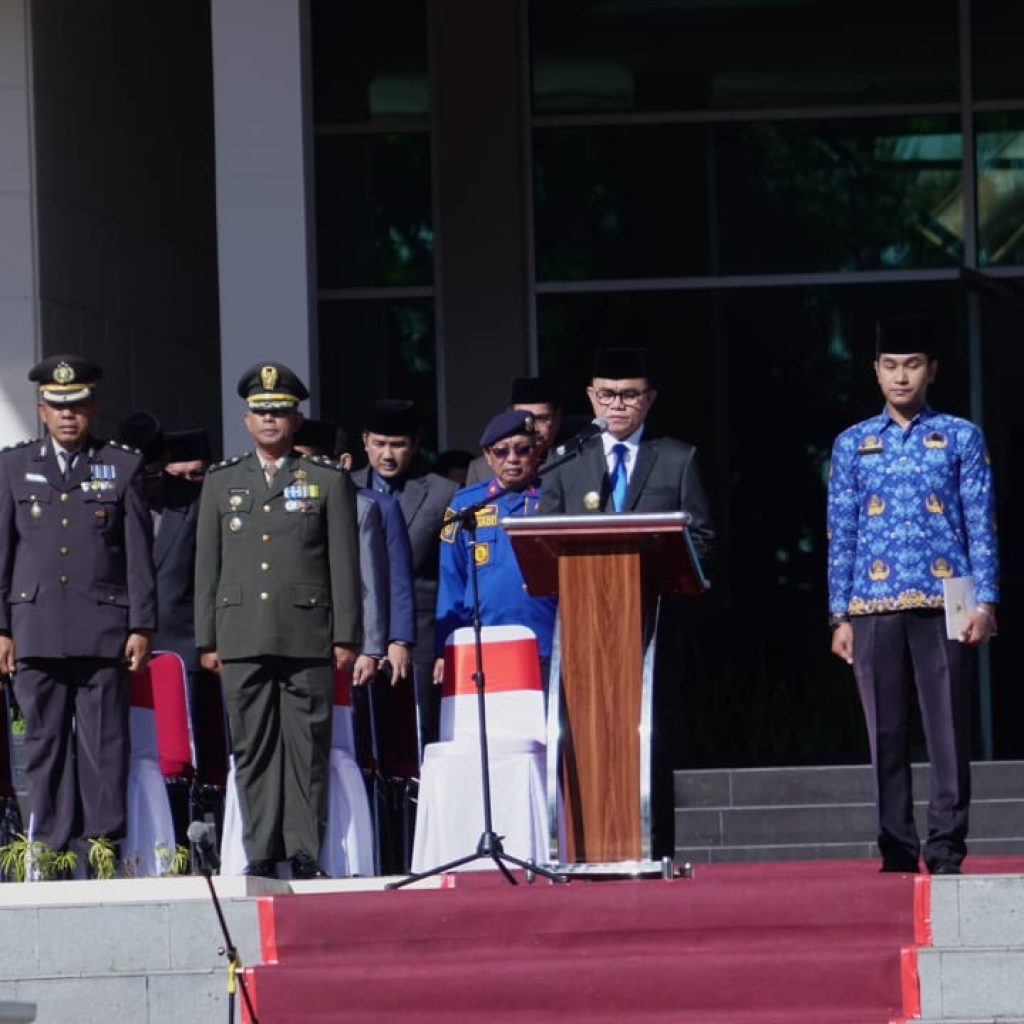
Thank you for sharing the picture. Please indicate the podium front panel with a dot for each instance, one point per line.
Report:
(602, 689)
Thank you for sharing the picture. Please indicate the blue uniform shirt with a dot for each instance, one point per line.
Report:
(908, 507)
(503, 597)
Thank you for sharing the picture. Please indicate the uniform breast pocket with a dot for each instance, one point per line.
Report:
(34, 503)
(103, 510)
(311, 520)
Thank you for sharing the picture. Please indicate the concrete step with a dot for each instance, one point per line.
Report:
(977, 983)
(816, 851)
(977, 911)
(830, 784)
(821, 823)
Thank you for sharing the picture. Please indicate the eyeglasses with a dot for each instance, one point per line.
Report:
(502, 451)
(628, 396)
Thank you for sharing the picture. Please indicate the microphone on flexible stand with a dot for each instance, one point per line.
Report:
(200, 835)
(596, 426)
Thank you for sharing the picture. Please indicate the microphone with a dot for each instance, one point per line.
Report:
(200, 835)
(596, 426)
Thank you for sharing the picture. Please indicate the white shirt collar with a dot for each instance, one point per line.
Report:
(632, 443)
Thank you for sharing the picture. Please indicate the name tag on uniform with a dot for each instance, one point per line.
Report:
(35, 478)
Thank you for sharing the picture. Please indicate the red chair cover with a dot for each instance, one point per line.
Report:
(163, 688)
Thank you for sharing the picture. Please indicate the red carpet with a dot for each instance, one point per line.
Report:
(738, 943)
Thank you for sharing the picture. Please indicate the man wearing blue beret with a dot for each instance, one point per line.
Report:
(510, 446)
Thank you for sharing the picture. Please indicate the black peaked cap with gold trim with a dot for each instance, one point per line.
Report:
(65, 379)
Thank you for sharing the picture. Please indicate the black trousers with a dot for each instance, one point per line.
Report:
(279, 710)
(76, 746)
(894, 655)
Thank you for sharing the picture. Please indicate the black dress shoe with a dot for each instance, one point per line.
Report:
(899, 867)
(261, 869)
(304, 867)
(944, 867)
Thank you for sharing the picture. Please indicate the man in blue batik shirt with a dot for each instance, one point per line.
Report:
(510, 446)
(910, 504)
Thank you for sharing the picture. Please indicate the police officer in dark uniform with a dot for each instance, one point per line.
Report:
(77, 604)
(277, 609)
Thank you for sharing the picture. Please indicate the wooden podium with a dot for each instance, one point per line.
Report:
(608, 572)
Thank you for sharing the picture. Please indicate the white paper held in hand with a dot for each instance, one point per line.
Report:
(960, 597)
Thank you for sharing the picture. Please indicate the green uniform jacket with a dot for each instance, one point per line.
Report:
(277, 569)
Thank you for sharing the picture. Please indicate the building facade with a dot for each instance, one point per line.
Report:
(424, 198)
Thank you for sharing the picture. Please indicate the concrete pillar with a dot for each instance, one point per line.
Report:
(479, 133)
(264, 232)
(18, 291)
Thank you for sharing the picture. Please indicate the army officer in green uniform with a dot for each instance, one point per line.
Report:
(277, 609)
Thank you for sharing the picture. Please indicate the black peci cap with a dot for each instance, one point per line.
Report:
(319, 435)
(534, 391)
(903, 335)
(621, 363)
(392, 417)
(188, 446)
(142, 430)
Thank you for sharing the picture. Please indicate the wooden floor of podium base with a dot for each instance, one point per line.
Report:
(663, 868)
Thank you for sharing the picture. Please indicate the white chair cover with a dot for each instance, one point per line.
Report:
(347, 847)
(149, 841)
(449, 818)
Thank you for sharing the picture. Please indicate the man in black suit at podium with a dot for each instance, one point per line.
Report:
(622, 471)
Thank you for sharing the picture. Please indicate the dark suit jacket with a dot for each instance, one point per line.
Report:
(665, 479)
(174, 557)
(401, 592)
(276, 576)
(423, 500)
(76, 561)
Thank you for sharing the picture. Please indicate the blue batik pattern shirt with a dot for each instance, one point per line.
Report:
(908, 507)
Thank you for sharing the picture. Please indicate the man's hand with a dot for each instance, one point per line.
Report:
(401, 661)
(842, 642)
(6, 654)
(439, 671)
(364, 669)
(136, 651)
(978, 628)
(210, 660)
(344, 657)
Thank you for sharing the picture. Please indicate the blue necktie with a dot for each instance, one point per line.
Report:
(618, 478)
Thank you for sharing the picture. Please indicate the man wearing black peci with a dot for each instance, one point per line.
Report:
(625, 471)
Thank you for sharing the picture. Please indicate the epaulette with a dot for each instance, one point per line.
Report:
(19, 444)
(234, 460)
(124, 447)
(323, 460)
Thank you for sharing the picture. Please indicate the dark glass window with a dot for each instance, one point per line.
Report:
(1000, 156)
(369, 60)
(596, 55)
(377, 348)
(997, 28)
(373, 207)
(765, 197)
(761, 380)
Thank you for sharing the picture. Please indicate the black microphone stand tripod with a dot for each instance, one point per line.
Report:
(489, 845)
(205, 853)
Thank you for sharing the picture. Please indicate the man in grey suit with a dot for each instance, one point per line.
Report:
(77, 604)
(391, 440)
(277, 610)
(622, 471)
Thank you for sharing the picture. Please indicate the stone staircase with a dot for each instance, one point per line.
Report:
(968, 967)
(824, 812)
